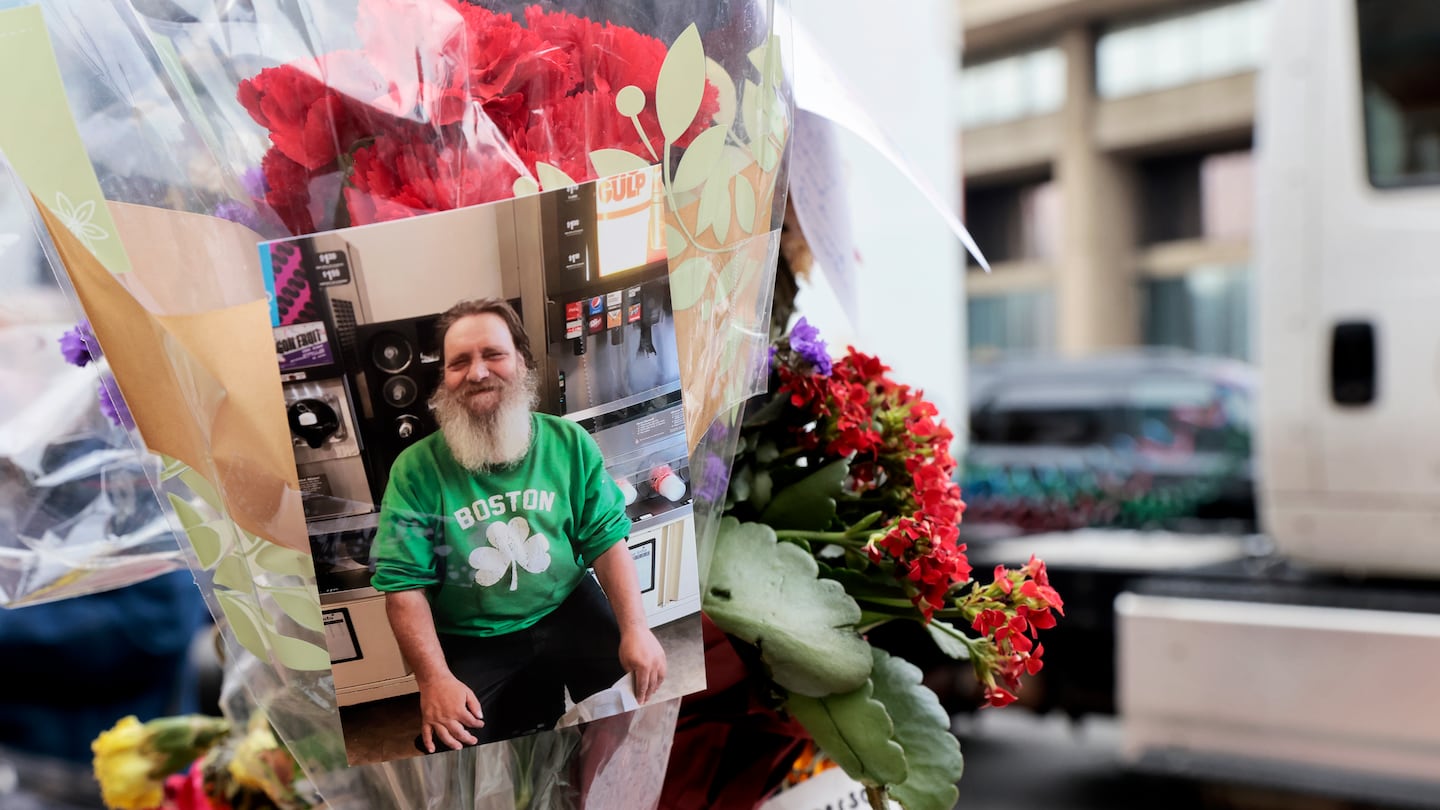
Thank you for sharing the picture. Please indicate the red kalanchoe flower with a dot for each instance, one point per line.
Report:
(997, 697)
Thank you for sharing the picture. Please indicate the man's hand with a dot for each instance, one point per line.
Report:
(643, 657)
(448, 707)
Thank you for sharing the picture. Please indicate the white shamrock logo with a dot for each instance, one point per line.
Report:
(513, 548)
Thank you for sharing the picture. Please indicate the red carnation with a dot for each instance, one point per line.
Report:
(309, 122)
(288, 190)
(395, 178)
(512, 69)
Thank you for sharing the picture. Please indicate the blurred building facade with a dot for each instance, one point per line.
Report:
(1106, 152)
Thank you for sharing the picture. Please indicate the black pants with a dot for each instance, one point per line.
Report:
(520, 678)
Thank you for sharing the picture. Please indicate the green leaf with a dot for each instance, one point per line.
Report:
(278, 559)
(740, 483)
(552, 177)
(705, 211)
(723, 212)
(767, 412)
(700, 158)
(300, 604)
(763, 56)
(205, 540)
(233, 573)
(768, 155)
(922, 728)
(297, 654)
(944, 636)
(244, 622)
(201, 486)
(675, 241)
(869, 619)
(762, 487)
(767, 593)
(810, 502)
(681, 84)
(750, 112)
(609, 162)
(855, 731)
(738, 270)
(860, 586)
(688, 282)
(172, 468)
(716, 75)
(745, 203)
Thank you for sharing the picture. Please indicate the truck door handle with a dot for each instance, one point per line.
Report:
(1352, 363)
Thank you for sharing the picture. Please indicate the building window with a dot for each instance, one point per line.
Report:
(1399, 59)
(1206, 311)
(1197, 197)
(1013, 87)
(1011, 322)
(1177, 50)
(1018, 222)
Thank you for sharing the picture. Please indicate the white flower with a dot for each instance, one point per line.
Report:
(78, 219)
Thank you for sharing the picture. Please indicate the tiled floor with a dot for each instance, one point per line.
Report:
(386, 729)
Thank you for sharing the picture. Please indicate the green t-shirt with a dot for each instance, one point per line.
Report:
(497, 551)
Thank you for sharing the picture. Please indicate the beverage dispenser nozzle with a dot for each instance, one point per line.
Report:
(628, 490)
(313, 420)
(667, 483)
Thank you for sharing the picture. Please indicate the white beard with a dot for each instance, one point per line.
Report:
(492, 438)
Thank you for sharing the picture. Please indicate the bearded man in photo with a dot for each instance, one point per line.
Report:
(489, 530)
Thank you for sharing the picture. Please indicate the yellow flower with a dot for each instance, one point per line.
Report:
(124, 767)
(261, 764)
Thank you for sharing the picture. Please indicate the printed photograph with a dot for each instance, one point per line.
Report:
(485, 408)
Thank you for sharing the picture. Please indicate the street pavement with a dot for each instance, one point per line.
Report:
(1016, 760)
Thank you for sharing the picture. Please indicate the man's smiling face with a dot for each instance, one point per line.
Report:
(481, 361)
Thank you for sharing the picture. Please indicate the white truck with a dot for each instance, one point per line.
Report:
(1306, 658)
(1314, 668)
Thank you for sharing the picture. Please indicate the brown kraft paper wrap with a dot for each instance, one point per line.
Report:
(198, 373)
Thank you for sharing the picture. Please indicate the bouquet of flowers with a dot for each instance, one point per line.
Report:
(196, 763)
(403, 108)
(841, 516)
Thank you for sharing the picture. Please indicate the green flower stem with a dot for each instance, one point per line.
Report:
(970, 643)
(866, 522)
(694, 238)
(844, 538)
(887, 601)
(876, 795)
(851, 537)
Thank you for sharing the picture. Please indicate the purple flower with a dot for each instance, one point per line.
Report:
(253, 181)
(79, 345)
(238, 213)
(805, 341)
(112, 404)
(714, 480)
